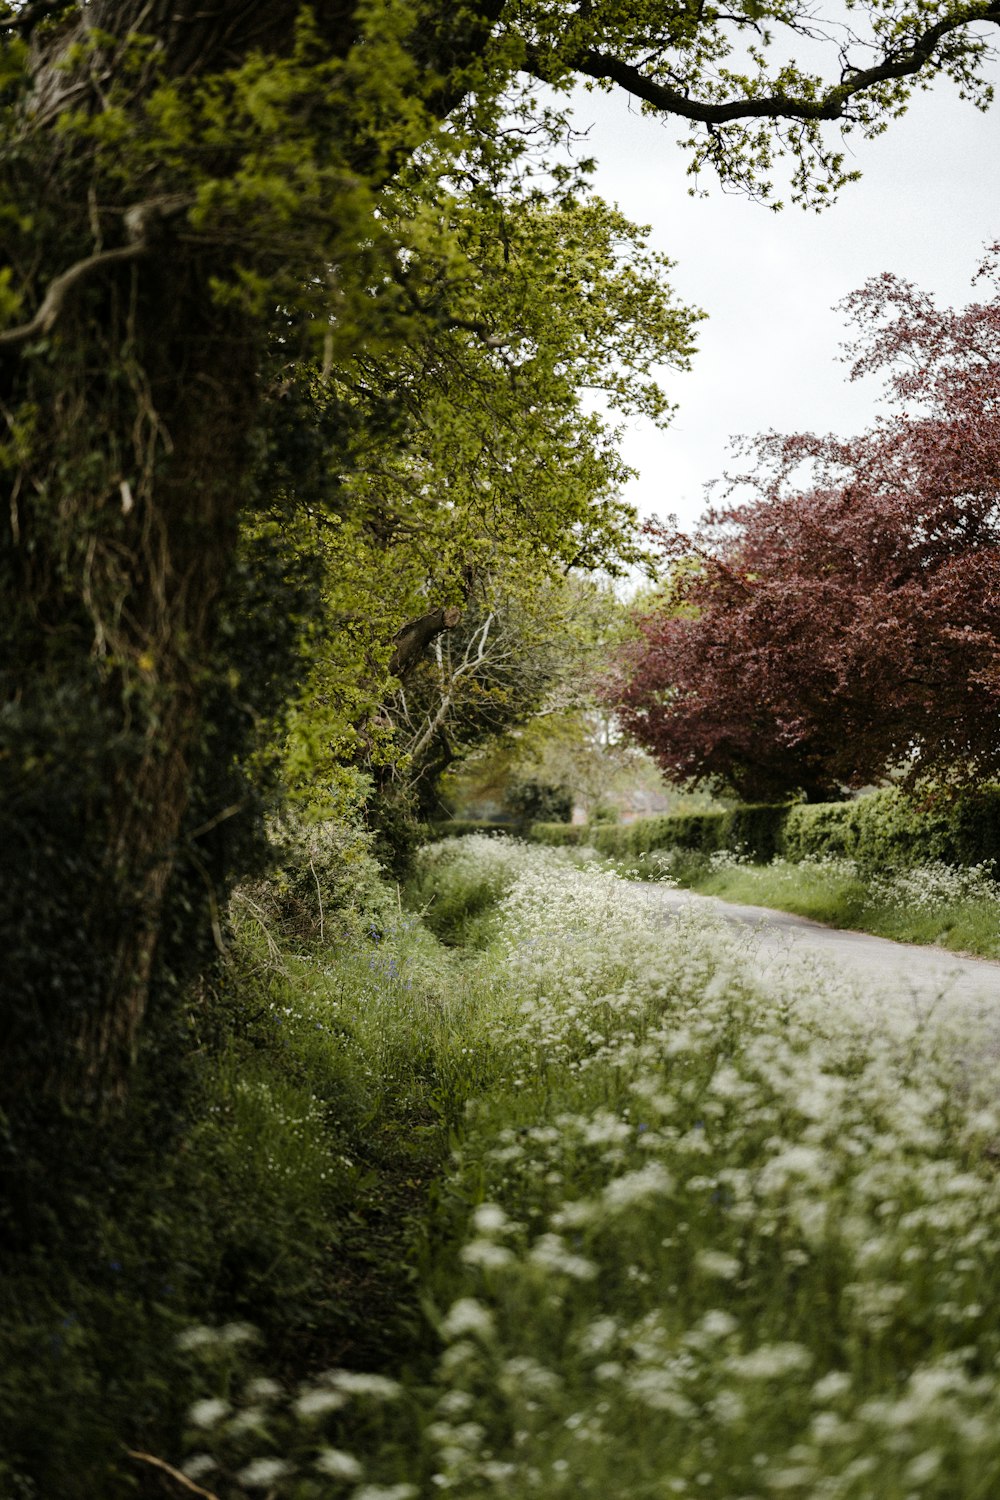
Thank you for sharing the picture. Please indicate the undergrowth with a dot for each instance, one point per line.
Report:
(700, 1234)
(318, 1088)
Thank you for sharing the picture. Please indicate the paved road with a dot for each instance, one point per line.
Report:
(778, 938)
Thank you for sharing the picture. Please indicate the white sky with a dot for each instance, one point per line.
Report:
(929, 200)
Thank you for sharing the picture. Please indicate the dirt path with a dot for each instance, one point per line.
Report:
(779, 937)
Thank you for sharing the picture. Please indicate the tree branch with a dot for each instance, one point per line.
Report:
(414, 638)
(139, 220)
(828, 106)
(161, 1463)
(60, 288)
(32, 15)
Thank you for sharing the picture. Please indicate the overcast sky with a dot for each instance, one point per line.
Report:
(928, 201)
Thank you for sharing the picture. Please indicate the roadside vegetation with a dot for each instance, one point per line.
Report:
(695, 1235)
(334, 1171)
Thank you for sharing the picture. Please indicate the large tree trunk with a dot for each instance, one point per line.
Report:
(202, 388)
(155, 558)
(131, 427)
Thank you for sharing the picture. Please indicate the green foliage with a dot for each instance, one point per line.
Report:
(312, 1109)
(662, 1248)
(325, 886)
(539, 801)
(955, 907)
(883, 829)
(456, 890)
(560, 835)
(890, 828)
(756, 827)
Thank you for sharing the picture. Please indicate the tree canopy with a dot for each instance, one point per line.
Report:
(830, 631)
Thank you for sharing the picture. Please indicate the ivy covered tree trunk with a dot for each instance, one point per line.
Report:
(156, 226)
(118, 549)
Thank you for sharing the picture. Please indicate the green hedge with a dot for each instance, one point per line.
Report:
(883, 829)
(755, 827)
(889, 829)
(563, 833)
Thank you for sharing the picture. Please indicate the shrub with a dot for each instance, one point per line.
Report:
(539, 801)
(885, 829)
(755, 828)
(559, 834)
(890, 829)
(326, 884)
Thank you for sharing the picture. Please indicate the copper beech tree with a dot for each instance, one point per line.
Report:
(827, 632)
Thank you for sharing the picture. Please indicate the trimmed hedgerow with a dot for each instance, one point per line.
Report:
(885, 829)
(755, 827)
(889, 829)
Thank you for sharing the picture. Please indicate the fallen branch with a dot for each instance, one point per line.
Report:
(161, 1463)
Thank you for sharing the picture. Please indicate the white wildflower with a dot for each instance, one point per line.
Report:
(770, 1361)
(261, 1388)
(467, 1316)
(550, 1252)
(337, 1464)
(831, 1385)
(198, 1337)
(261, 1473)
(317, 1402)
(208, 1412)
(652, 1181)
(198, 1465)
(717, 1263)
(489, 1218)
(379, 1387)
(486, 1255)
(924, 1466)
(718, 1324)
(237, 1333)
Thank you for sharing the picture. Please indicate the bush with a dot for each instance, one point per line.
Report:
(890, 829)
(539, 801)
(755, 828)
(326, 884)
(310, 1110)
(559, 834)
(884, 829)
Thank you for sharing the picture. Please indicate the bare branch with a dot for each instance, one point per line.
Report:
(182, 1479)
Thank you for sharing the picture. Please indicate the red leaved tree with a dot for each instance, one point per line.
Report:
(827, 632)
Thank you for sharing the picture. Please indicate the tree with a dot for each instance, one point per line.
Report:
(569, 743)
(195, 202)
(829, 633)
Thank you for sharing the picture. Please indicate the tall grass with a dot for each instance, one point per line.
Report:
(698, 1236)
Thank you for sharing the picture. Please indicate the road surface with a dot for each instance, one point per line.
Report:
(777, 938)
